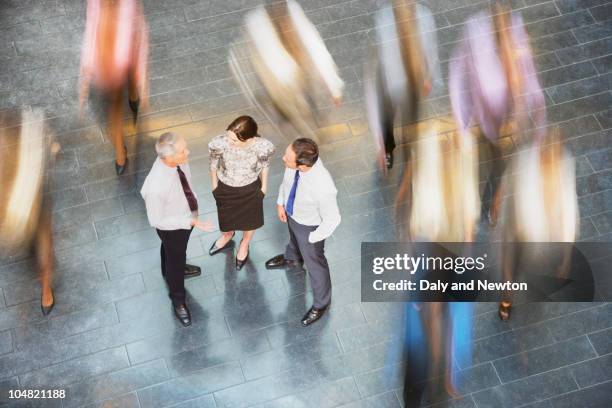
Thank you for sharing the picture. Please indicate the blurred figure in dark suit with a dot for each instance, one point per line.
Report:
(403, 70)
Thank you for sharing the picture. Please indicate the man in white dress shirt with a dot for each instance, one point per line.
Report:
(172, 208)
(307, 203)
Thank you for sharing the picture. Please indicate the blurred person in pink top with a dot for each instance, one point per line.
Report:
(492, 78)
(114, 56)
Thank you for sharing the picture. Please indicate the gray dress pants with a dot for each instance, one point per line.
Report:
(313, 256)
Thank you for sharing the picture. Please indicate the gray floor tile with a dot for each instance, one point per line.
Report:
(508, 343)
(570, 5)
(327, 395)
(6, 342)
(592, 372)
(544, 359)
(266, 389)
(293, 356)
(585, 51)
(597, 396)
(528, 390)
(72, 371)
(602, 341)
(582, 322)
(178, 341)
(385, 400)
(602, 12)
(116, 383)
(191, 386)
(124, 401)
(60, 327)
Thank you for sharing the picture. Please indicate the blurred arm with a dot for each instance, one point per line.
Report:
(317, 50)
(87, 50)
(458, 88)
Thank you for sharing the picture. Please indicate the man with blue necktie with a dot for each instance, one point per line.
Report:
(307, 203)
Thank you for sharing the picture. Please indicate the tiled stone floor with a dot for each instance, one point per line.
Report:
(112, 336)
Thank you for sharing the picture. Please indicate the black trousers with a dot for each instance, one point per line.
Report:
(407, 115)
(494, 178)
(313, 255)
(173, 253)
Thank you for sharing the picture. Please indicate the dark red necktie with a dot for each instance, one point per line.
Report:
(193, 202)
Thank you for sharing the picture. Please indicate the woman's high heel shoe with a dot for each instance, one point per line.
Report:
(240, 263)
(47, 309)
(120, 169)
(214, 249)
(504, 310)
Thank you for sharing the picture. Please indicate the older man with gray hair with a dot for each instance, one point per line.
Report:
(172, 208)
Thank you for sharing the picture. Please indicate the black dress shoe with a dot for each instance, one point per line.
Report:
(192, 270)
(134, 105)
(214, 249)
(279, 261)
(182, 314)
(47, 309)
(240, 263)
(313, 315)
(121, 169)
(389, 160)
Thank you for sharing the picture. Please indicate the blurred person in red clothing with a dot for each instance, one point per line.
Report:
(114, 57)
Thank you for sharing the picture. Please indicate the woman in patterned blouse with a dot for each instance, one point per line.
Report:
(239, 163)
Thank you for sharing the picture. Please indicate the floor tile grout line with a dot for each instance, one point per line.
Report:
(527, 326)
(574, 82)
(564, 367)
(592, 346)
(79, 357)
(563, 394)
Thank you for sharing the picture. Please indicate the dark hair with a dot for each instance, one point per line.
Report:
(244, 127)
(306, 151)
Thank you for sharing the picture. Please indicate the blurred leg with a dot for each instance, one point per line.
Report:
(44, 256)
(132, 89)
(115, 127)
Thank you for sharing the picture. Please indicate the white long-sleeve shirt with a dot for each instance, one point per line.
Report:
(167, 206)
(315, 200)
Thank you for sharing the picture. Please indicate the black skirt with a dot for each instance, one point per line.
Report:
(239, 208)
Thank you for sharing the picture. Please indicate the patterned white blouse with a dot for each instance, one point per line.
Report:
(239, 166)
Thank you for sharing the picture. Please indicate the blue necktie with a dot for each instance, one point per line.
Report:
(289, 206)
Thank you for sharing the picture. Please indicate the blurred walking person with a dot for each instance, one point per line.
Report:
(114, 58)
(492, 79)
(542, 207)
(403, 70)
(291, 62)
(442, 181)
(239, 168)
(172, 209)
(25, 212)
